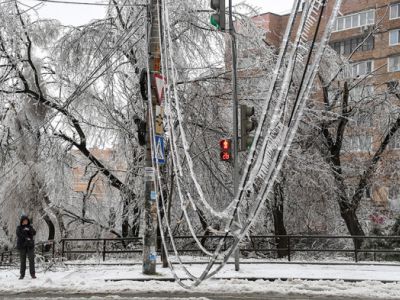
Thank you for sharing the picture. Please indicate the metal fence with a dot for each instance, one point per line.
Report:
(71, 247)
(373, 247)
(7, 257)
(45, 249)
(318, 246)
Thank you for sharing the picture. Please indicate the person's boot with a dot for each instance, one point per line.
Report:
(21, 277)
(33, 276)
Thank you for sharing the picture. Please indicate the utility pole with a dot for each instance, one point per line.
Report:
(150, 203)
(235, 120)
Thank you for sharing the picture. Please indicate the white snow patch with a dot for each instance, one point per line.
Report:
(92, 279)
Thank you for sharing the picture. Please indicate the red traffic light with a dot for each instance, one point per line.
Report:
(225, 144)
(225, 156)
(226, 148)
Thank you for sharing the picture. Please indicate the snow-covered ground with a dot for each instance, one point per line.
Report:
(94, 279)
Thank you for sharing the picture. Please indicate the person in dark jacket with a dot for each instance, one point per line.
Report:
(26, 245)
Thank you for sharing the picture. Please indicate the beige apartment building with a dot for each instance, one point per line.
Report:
(90, 189)
(376, 25)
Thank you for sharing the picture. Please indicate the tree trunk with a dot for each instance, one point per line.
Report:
(279, 225)
(52, 231)
(353, 225)
(136, 222)
(204, 225)
(128, 200)
(125, 218)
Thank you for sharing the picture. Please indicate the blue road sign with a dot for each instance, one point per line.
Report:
(159, 151)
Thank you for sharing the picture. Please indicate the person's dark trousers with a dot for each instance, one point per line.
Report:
(23, 253)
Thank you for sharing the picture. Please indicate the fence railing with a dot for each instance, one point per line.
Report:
(284, 245)
(101, 246)
(6, 257)
(298, 243)
(47, 248)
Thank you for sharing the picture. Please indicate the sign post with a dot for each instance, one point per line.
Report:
(150, 203)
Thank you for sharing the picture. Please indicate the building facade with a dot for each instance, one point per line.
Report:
(367, 38)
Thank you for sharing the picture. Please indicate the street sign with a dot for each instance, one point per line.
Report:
(159, 151)
(149, 174)
(153, 253)
(159, 120)
(159, 81)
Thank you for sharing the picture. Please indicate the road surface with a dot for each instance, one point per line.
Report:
(178, 296)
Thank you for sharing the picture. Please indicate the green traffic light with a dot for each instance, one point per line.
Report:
(218, 18)
(214, 22)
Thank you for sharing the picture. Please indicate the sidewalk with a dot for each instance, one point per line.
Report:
(288, 271)
(367, 282)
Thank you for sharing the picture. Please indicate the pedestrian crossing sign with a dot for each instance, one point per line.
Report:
(159, 151)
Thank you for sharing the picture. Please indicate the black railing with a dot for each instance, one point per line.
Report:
(261, 244)
(7, 257)
(301, 244)
(100, 246)
(10, 257)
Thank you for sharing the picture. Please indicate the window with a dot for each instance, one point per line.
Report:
(246, 62)
(394, 64)
(363, 121)
(394, 37)
(340, 24)
(347, 47)
(395, 11)
(355, 20)
(394, 197)
(360, 69)
(358, 143)
(394, 142)
(362, 93)
(364, 143)
(351, 190)
(369, 44)
(348, 21)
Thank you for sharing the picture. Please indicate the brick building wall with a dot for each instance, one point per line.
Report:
(83, 170)
(379, 55)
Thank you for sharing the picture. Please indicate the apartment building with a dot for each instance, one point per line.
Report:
(375, 25)
(86, 178)
(91, 191)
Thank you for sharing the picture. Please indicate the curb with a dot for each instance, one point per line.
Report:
(271, 279)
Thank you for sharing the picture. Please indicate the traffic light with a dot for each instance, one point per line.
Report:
(143, 84)
(247, 125)
(225, 149)
(218, 18)
(141, 131)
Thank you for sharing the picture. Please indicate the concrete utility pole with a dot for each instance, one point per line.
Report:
(150, 204)
(235, 119)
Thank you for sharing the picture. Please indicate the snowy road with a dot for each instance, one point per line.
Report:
(179, 296)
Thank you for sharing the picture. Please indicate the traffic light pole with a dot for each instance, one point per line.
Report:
(150, 203)
(235, 120)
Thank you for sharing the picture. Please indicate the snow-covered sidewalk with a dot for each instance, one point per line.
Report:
(326, 280)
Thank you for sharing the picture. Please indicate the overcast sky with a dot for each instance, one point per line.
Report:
(70, 14)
